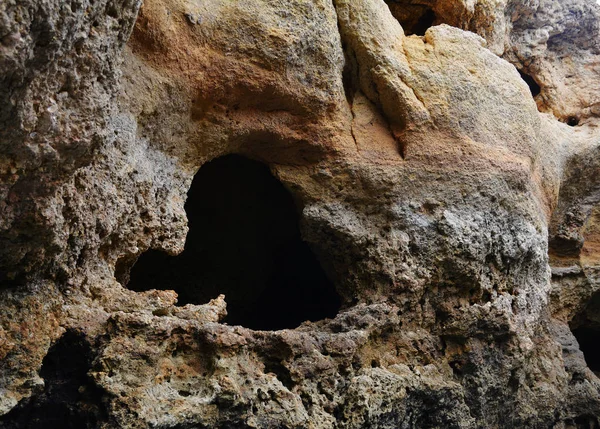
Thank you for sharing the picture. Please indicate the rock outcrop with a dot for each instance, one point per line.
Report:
(443, 158)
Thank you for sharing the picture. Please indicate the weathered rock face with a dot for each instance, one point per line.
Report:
(454, 209)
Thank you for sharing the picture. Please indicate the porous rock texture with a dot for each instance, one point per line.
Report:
(457, 215)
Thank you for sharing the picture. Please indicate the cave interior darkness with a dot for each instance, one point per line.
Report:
(586, 329)
(414, 18)
(534, 87)
(244, 241)
(69, 399)
(587, 337)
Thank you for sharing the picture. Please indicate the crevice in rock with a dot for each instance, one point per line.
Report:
(534, 87)
(350, 74)
(414, 18)
(244, 241)
(70, 399)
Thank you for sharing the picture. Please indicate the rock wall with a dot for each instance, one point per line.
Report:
(443, 156)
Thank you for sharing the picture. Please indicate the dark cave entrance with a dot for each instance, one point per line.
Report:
(414, 18)
(423, 23)
(586, 329)
(243, 241)
(70, 399)
(589, 343)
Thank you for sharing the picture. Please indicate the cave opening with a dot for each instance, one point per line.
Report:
(414, 18)
(586, 329)
(244, 241)
(423, 23)
(70, 399)
(534, 87)
(589, 343)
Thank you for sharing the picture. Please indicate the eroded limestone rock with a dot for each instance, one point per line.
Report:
(456, 215)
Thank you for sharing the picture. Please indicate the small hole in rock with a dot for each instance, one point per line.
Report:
(112, 11)
(243, 241)
(534, 87)
(572, 121)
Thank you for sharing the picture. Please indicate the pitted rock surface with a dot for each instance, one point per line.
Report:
(453, 203)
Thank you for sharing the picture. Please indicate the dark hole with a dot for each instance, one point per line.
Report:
(113, 12)
(414, 18)
(423, 23)
(280, 371)
(456, 366)
(587, 421)
(572, 121)
(530, 81)
(350, 74)
(9, 280)
(243, 241)
(589, 344)
(70, 400)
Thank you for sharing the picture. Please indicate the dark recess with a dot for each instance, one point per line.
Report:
(530, 81)
(414, 18)
(572, 121)
(587, 421)
(8, 282)
(70, 399)
(423, 23)
(586, 329)
(243, 241)
(589, 343)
